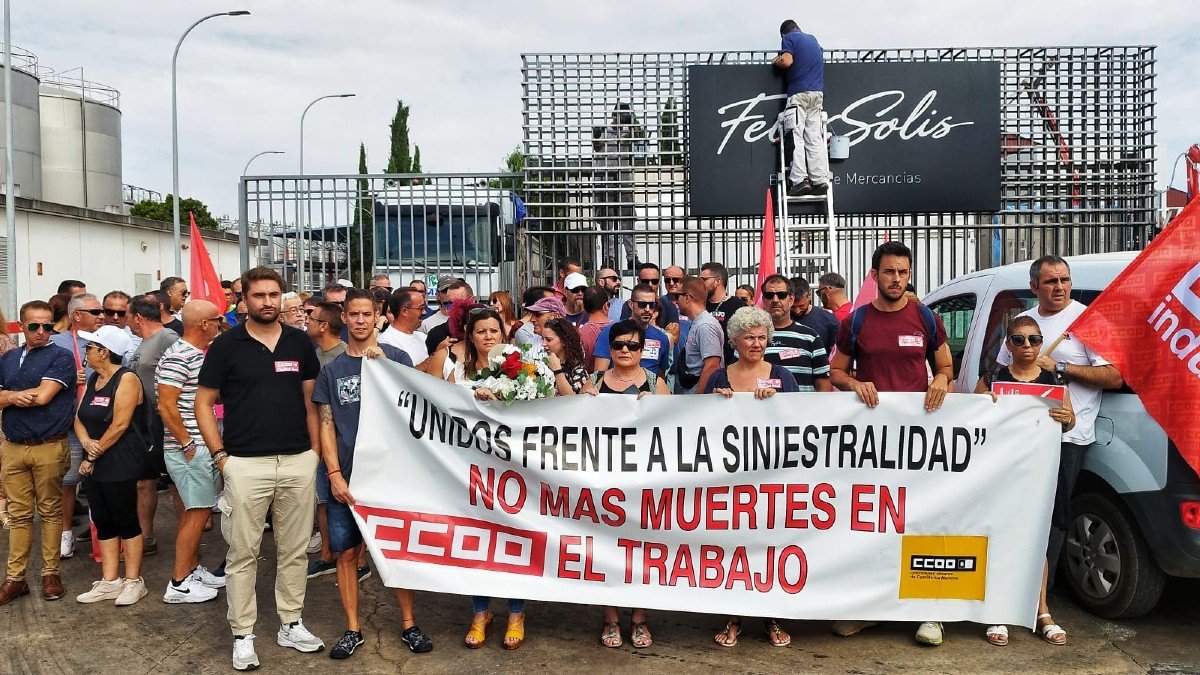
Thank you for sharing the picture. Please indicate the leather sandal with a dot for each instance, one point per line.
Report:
(1050, 631)
(997, 635)
(479, 632)
(733, 629)
(776, 634)
(514, 637)
(639, 635)
(610, 636)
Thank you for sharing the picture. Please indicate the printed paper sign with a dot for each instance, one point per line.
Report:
(1053, 392)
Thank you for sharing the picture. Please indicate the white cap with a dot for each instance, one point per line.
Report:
(111, 338)
(345, 282)
(574, 280)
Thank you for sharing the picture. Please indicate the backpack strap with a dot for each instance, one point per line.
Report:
(930, 331)
(856, 323)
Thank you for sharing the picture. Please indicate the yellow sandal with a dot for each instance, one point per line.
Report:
(516, 631)
(479, 632)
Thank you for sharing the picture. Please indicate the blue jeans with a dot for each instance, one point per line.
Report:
(480, 603)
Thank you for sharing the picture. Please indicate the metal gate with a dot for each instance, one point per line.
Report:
(1077, 164)
(316, 230)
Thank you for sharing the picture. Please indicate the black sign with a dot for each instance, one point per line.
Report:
(924, 137)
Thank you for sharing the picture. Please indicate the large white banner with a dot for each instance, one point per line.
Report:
(808, 506)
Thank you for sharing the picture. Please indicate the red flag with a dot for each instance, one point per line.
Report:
(204, 284)
(867, 292)
(767, 253)
(1147, 324)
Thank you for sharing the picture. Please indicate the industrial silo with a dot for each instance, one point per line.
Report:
(27, 144)
(81, 143)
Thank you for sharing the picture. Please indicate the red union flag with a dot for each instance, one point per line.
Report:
(1147, 324)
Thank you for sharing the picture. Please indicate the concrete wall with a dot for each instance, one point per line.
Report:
(106, 251)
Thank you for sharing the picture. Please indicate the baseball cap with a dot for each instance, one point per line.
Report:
(575, 280)
(112, 338)
(345, 282)
(548, 305)
(444, 281)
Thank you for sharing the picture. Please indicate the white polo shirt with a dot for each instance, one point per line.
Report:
(412, 344)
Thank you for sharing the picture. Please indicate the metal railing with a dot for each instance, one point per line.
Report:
(1077, 164)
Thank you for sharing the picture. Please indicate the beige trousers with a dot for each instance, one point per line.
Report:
(286, 484)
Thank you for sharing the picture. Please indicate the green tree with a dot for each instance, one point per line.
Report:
(416, 162)
(363, 232)
(514, 162)
(162, 211)
(669, 146)
(399, 159)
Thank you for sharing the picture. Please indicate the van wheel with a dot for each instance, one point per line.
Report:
(1108, 564)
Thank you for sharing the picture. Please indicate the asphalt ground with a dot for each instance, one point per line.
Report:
(152, 637)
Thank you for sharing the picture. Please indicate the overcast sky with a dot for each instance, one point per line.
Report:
(244, 81)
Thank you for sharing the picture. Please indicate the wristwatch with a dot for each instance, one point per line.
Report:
(1060, 369)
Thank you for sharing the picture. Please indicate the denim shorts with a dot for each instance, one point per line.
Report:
(343, 530)
(72, 476)
(324, 492)
(196, 480)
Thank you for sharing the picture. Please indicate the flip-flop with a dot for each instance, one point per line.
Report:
(1051, 631)
(730, 626)
(997, 635)
(611, 632)
(774, 633)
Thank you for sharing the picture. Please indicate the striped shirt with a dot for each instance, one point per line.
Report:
(179, 367)
(799, 349)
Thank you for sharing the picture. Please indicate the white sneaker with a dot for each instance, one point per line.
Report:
(66, 546)
(101, 590)
(191, 591)
(314, 543)
(207, 578)
(930, 633)
(132, 590)
(297, 637)
(244, 657)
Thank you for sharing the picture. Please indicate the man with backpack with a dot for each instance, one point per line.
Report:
(886, 345)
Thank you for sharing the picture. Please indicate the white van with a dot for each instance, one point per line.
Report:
(1133, 519)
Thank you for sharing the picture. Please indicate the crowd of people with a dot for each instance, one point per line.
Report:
(248, 413)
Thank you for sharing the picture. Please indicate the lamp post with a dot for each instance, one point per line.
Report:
(302, 230)
(243, 216)
(175, 134)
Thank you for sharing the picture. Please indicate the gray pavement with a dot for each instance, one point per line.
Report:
(152, 637)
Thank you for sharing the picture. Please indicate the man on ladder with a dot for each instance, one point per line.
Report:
(801, 55)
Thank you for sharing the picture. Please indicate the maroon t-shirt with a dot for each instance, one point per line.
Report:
(891, 348)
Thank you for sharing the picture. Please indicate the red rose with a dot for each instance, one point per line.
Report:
(512, 366)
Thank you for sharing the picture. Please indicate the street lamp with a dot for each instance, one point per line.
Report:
(264, 152)
(175, 134)
(302, 231)
(243, 216)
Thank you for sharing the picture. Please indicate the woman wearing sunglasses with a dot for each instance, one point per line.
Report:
(111, 424)
(750, 330)
(1025, 342)
(625, 375)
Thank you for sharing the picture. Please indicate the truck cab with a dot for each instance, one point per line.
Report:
(1136, 507)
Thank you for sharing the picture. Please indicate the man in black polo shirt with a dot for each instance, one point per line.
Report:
(37, 394)
(264, 372)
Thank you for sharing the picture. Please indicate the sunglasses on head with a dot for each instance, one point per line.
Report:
(651, 282)
(34, 327)
(114, 312)
(673, 280)
(645, 304)
(1019, 340)
(625, 345)
(776, 295)
(93, 312)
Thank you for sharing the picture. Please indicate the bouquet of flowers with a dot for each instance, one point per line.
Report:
(514, 374)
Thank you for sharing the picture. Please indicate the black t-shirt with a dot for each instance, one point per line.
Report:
(1003, 374)
(722, 311)
(436, 335)
(263, 393)
(123, 461)
(175, 325)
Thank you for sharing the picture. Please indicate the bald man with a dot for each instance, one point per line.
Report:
(188, 460)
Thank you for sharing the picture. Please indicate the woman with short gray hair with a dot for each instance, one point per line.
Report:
(750, 330)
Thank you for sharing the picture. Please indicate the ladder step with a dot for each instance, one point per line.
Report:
(809, 256)
(807, 198)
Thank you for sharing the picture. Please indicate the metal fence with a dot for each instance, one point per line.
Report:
(316, 230)
(1077, 164)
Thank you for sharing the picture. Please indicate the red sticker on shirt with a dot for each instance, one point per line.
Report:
(102, 401)
(287, 366)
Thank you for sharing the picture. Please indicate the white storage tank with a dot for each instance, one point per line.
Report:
(81, 143)
(27, 144)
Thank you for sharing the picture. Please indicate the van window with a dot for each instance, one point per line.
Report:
(956, 313)
(1006, 306)
(434, 236)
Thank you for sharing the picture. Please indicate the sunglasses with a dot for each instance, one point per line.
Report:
(577, 289)
(476, 310)
(645, 304)
(611, 276)
(673, 280)
(93, 312)
(651, 282)
(625, 345)
(34, 327)
(114, 312)
(1019, 340)
(776, 295)
(93, 345)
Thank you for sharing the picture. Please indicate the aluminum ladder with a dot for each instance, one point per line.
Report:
(807, 245)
